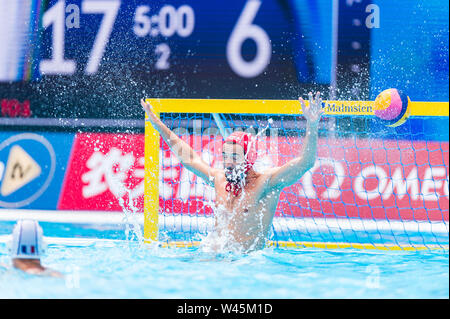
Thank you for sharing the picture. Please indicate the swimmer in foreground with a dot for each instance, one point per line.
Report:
(246, 200)
(26, 248)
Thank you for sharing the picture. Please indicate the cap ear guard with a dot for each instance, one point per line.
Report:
(26, 240)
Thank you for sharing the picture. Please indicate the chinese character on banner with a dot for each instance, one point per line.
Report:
(107, 173)
(104, 168)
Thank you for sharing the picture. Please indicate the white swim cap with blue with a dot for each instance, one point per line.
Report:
(27, 240)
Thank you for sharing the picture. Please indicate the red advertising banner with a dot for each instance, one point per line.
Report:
(380, 179)
(102, 169)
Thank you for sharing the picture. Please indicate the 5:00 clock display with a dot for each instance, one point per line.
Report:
(166, 22)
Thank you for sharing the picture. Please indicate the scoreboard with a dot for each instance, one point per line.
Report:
(95, 59)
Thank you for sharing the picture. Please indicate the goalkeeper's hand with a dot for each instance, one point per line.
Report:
(313, 111)
(148, 109)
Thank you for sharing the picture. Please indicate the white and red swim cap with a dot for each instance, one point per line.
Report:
(248, 142)
(27, 240)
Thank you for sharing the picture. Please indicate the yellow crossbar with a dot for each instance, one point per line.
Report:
(284, 107)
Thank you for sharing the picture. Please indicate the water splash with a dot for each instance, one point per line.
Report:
(133, 228)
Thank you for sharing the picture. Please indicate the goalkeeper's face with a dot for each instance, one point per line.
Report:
(234, 162)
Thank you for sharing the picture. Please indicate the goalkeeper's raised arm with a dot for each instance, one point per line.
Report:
(186, 155)
(292, 171)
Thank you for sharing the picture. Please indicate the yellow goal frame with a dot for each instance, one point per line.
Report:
(238, 106)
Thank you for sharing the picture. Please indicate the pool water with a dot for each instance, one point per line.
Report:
(124, 269)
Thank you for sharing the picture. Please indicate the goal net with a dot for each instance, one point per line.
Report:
(371, 187)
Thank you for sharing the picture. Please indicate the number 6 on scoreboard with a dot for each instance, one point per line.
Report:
(244, 30)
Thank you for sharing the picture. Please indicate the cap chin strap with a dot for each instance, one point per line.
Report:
(235, 188)
(245, 142)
